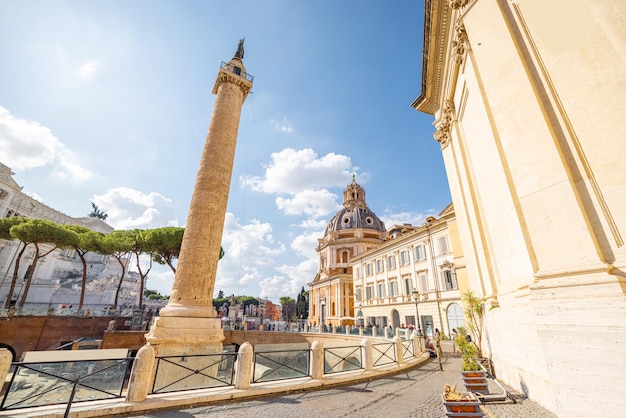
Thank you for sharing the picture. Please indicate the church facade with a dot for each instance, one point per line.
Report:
(527, 99)
(352, 231)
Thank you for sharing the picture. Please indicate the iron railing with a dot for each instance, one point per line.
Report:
(280, 365)
(408, 349)
(201, 371)
(342, 359)
(383, 353)
(236, 70)
(64, 382)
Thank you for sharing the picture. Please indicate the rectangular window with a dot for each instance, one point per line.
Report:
(393, 289)
(408, 289)
(423, 283)
(409, 320)
(381, 290)
(419, 253)
(449, 280)
(369, 269)
(358, 293)
(369, 291)
(404, 258)
(379, 266)
(391, 262)
(443, 245)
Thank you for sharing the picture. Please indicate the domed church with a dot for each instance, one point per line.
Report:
(352, 231)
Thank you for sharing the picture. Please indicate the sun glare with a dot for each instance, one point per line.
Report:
(87, 69)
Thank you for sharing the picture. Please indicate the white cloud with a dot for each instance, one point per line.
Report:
(128, 209)
(249, 250)
(314, 224)
(34, 196)
(283, 126)
(400, 218)
(314, 203)
(26, 144)
(305, 244)
(160, 279)
(87, 69)
(297, 276)
(292, 171)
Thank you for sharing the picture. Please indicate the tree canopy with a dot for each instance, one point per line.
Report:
(85, 240)
(37, 232)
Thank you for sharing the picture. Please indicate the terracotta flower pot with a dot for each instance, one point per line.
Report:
(475, 381)
(469, 406)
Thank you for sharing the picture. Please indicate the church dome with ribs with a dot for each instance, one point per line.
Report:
(355, 214)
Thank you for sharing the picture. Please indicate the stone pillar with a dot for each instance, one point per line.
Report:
(317, 360)
(306, 327)
(192, 292)
(347, 329)
(399, 349)
(361, 331)
(141, 375)
(243, 367)
(188, 324)
(5, 363)
(368, 354)
(417, 344)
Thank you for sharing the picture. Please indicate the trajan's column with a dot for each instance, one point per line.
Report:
(189, 324)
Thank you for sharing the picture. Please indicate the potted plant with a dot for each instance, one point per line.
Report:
(474, 377)
(460, 404)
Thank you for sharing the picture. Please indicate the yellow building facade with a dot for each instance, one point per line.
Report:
(527, 103)
(418, 272)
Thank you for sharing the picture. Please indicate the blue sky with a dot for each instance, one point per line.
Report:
(110, 101)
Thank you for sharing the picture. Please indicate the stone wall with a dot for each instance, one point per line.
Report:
(40, 333)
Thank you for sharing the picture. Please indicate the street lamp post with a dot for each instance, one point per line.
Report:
(416, 296)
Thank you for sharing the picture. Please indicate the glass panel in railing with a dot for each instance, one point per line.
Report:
(341, 359)
(279, 365)
(175, 373)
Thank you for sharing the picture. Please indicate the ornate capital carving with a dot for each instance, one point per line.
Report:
(442, 135)
(459, 44)
(226, 77)
(457, 4)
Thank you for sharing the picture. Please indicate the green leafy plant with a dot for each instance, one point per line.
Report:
(475, 315)
(469, 351)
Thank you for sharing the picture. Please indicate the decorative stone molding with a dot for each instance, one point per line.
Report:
(225, 77)
(442, 135)
(459, 44)
(457, 4)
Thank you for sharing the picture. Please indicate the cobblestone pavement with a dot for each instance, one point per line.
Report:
(412, 394)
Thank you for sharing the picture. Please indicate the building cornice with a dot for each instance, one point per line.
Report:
(436, 22)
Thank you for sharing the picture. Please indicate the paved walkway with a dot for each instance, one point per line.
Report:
(412, 394)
